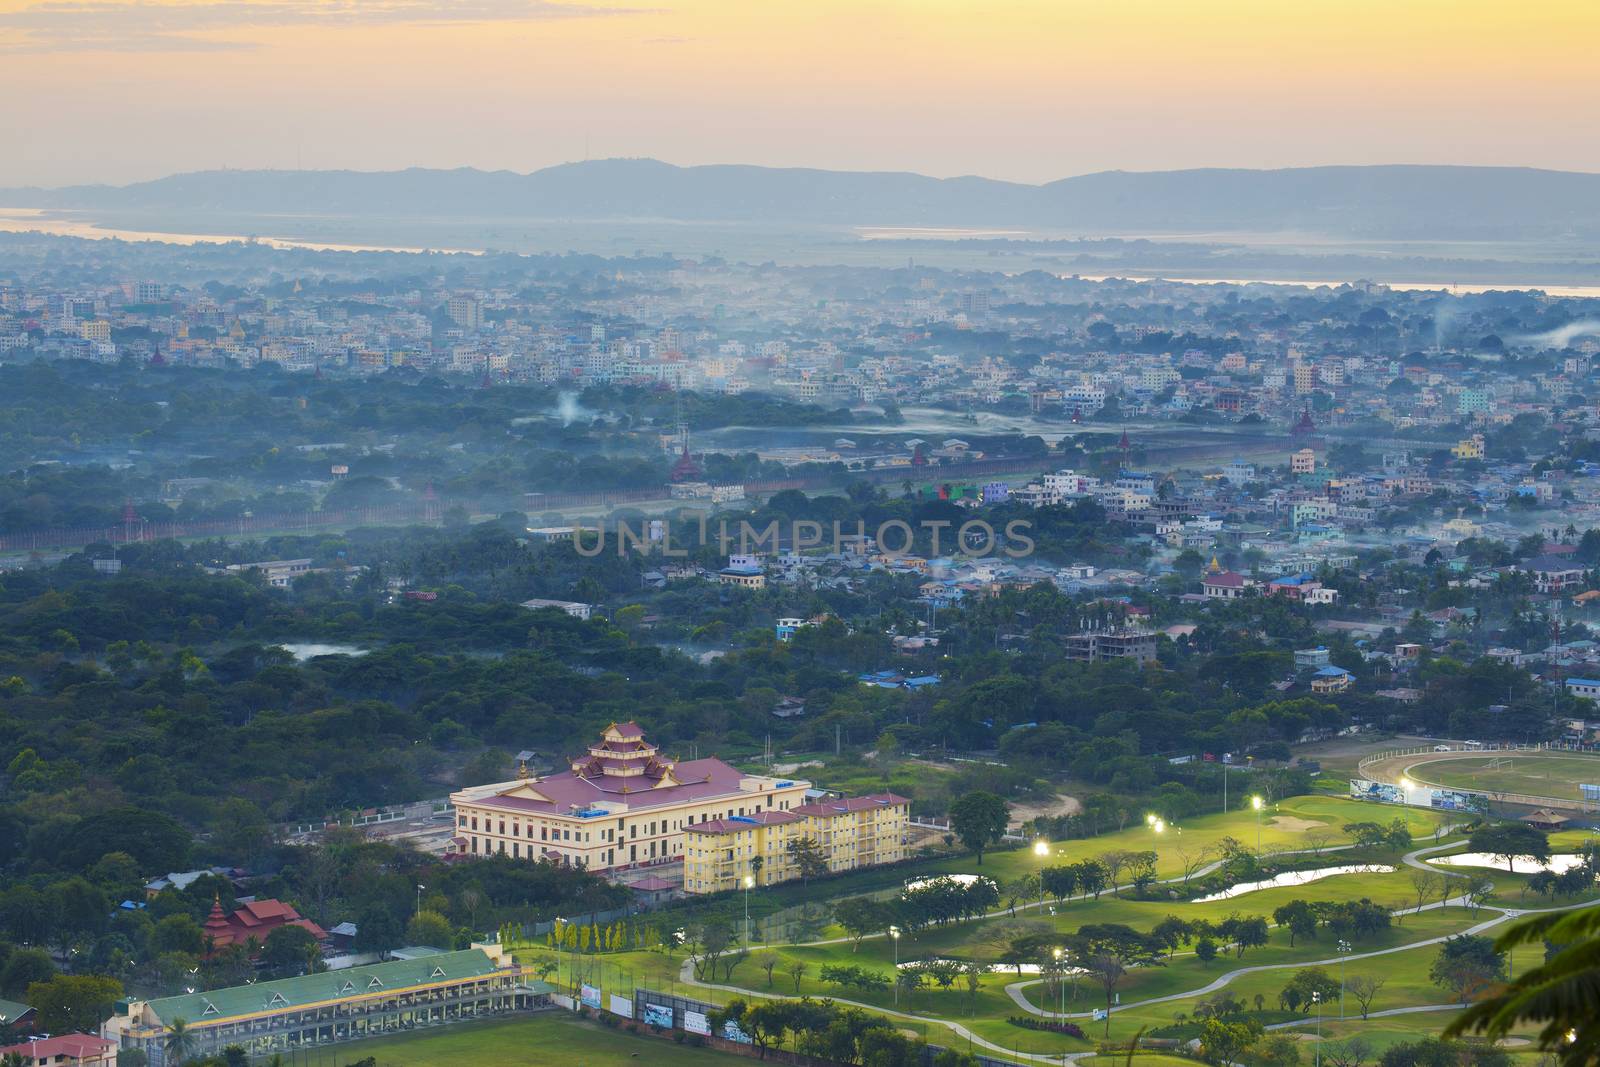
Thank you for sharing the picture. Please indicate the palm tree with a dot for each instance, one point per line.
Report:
(180, 1041)
(1561, 993)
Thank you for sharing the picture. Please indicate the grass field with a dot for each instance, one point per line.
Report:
(550, 1037)
(1536, 774)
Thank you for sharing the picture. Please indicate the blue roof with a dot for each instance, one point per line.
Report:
(1331, 672)
(1583, 681)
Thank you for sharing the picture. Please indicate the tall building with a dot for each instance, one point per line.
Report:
(465, 312)
(621, 804)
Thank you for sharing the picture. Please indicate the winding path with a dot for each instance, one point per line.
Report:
(1502, 915)
(1013, 990)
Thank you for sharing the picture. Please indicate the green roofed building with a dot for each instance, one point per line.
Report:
(331, 1007)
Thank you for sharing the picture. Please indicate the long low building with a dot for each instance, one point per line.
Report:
(848, 833)
(331, 1007)
(621, 804)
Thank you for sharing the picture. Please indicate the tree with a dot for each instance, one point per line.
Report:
(1426, 883)
(1364, 988)
(797, 971)
(1465, 964)
(860, 916)
(979, 819)
(1558, 994)
(23, 968)
(1205, 950)
(74, 1002)
(1108, 969)
(1249, 933)
(1304, 989)
(180, 1041)
(291, 950)
(808, 858)
(1299, 918)
(432, 929)
(1354, 1052)
(1223, 1042)
(179, 933)
(1508, 840)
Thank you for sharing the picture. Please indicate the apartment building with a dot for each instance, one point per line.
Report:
(850, 832)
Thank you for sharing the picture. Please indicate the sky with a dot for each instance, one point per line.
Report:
(114, 91)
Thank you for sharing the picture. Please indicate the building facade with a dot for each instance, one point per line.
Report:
(849, 833)
(330, 1008)
(620, 805)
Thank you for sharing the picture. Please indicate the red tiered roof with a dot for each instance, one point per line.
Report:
(253, 919)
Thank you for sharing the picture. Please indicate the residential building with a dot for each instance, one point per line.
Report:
(621, 804)
(1224, 585)
(465, 312)
(1553, 574)
(1092, 646)
(68, 1050)
(849, 833)
(278, 572)
(1332, 680)
(577, 609)
(1588, 688)
(1303, 461)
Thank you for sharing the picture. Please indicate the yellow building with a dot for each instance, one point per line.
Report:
(620, 805)
(1470, 448)
(98, 330)
(850, 832)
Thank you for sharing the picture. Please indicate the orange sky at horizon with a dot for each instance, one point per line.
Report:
(104, 91)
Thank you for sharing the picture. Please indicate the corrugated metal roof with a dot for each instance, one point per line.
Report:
(213, 1005)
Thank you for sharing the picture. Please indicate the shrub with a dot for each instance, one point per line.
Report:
(1054, 1026)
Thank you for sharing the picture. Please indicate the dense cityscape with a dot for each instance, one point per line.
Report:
(849, 535)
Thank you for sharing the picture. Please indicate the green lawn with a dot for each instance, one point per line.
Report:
(549, 1037)
(1293, 824)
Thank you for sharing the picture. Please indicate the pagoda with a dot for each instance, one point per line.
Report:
(623, 753)
(1304, 427)
(217, 930)
(686, 469)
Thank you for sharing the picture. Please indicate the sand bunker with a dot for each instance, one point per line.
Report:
(1294, 825)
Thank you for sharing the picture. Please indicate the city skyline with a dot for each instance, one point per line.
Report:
(124, 92)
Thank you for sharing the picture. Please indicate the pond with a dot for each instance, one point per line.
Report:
(303, 651)
(962, 879)
(992, 968)
(1295, 878)
(1519, 864)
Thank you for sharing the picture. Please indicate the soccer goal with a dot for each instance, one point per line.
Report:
(1499, 763)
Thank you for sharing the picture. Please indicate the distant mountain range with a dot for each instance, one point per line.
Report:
(1392, 202)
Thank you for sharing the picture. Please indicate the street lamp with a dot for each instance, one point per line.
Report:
(1344, 951)
(420, 888)
(1061, 993)
(894, 935)
(748, 882)
(1316, 998)
(1255, 802)
(1041, 848)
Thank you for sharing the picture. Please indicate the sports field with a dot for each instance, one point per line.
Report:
(548, 1037)
(1533, 773)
